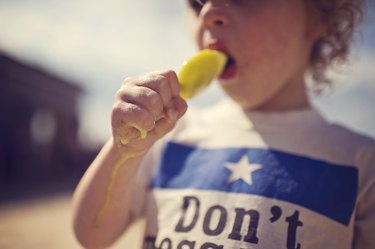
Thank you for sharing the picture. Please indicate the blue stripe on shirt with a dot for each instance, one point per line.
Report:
(326, 188)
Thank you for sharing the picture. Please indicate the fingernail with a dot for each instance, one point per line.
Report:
(172, 115)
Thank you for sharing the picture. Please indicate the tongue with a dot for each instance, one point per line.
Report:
(229, 70)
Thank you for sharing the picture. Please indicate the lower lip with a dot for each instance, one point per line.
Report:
(229, 72)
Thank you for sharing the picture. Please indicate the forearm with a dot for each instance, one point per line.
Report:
(101, 202)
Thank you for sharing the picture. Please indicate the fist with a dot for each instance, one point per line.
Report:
(146, 108)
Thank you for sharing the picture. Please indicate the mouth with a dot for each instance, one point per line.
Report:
(229, 69)
(229, 63)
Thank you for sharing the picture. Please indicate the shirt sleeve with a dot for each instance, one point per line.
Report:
(365, 213)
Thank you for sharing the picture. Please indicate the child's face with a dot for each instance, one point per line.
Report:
(268, 42)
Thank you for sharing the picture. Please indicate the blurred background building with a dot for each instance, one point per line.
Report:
(39, 145)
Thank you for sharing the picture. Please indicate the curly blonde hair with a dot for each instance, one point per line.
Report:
(341, 17)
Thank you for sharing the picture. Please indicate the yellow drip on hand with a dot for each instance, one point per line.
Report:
(115, 170)
(143, 133)
(108, 193)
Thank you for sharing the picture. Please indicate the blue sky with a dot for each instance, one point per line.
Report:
(99, 43)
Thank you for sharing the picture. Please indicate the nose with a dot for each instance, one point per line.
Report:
(213, 14)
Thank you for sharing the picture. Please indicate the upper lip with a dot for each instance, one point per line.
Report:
(220, 47)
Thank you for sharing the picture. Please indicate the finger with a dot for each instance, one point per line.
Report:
(161, 128)
(176, 109)
(127, 116)
(173, 113)
(180, 105)
(173, 82)
(146, 98)
(126, 134)
(138, 146)
(159, 83)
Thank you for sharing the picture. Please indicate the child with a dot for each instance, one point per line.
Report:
(261, 169)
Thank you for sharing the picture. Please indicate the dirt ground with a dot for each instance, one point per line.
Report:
(44, 223)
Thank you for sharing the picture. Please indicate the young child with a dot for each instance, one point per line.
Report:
(260, 169)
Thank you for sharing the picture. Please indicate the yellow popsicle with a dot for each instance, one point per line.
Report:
(198, 72)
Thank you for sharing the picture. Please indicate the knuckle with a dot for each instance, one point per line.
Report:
(119, 93)
(128, 120)
(116, 110)
(155, 101)
(122, 93)
(170, 74)
(129, 80)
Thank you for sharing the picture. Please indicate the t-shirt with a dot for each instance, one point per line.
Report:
(230, 179)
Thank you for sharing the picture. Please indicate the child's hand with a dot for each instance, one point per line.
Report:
(146, 108)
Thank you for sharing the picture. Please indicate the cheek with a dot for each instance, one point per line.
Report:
(280, 33)
(273, 41)
(266, 52)
(276, 49)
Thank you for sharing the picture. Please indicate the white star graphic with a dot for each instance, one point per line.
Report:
(242, 170)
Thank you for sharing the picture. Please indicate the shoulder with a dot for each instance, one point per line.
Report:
(308, 133)
(331, 141)
(335, 134)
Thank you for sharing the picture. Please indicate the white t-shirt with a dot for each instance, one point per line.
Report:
(227, 179)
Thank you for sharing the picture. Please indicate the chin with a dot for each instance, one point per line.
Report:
(247, 102)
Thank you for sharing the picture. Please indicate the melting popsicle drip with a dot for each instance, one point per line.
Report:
(108, 192)
(195, 75)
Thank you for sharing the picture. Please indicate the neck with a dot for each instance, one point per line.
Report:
(292, 96)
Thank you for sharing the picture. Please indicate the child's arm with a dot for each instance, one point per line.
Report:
(90, 195)
(151, 104)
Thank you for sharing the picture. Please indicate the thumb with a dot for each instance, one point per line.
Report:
(176, 109)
